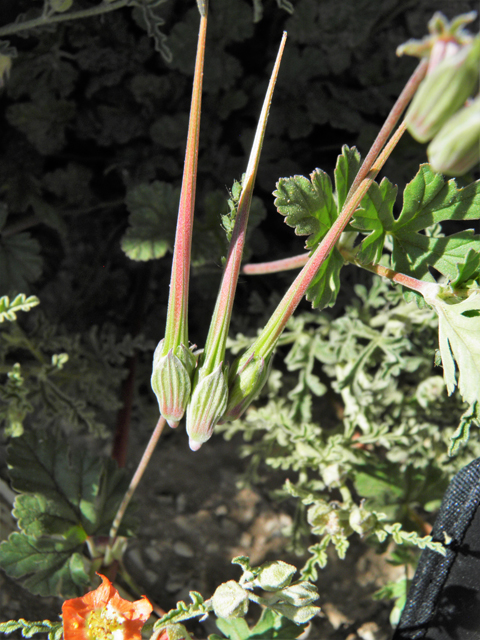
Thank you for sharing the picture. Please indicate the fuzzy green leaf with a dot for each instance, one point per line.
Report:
(459, 341)
(153, 215)
(375, 214)
(308, 205)
(273, 626)
(325, 286)
(53, 566)
(428, 200)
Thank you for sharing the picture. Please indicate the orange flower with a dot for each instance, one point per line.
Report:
(103, 615)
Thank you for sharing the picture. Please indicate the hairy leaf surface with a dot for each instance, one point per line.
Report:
(153, 215)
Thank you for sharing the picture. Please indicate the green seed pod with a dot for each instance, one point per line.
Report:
(247, 378)
(456, 147)
(230, 600)
(207, 405)
(171, 381)
(443, 92)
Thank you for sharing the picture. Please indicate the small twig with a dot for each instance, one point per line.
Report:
(42, 21)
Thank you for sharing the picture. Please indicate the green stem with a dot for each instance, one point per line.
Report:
(62, 17)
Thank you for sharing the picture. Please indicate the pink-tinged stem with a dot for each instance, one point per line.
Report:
(391, 274)
(286, 264)
(398, 108)
(264, 344)
(176, 331)
(217, 335)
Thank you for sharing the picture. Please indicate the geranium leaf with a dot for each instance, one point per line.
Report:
(52, 566)
(308, 205)
(153, 214)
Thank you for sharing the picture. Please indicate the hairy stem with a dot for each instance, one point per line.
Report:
(62, 17)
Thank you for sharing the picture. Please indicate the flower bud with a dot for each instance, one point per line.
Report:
(247, 378)
(300, 595)
(456, 147)
(275, 575)
(171, 381)
(230, 600)
(362, 521)
(443, 92)
(207, 405)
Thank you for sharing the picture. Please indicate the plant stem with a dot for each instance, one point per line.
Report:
(218, 331)
(176, 331)
(286, 264)
(391, 274)
(42, 21)
(142, 465)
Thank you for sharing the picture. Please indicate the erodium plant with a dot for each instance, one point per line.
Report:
(378, 358)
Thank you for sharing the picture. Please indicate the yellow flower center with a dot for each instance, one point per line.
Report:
(105, 624)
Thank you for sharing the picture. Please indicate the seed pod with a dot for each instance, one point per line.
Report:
(247, 379)
(171, 381)
(456, 147)
(207, 405)
(443, 92)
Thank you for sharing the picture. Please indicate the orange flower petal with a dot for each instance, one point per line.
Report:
(108, 605)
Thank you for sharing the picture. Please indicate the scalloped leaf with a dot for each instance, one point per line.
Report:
(153, 216)
(49, 566)
(29, 628)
